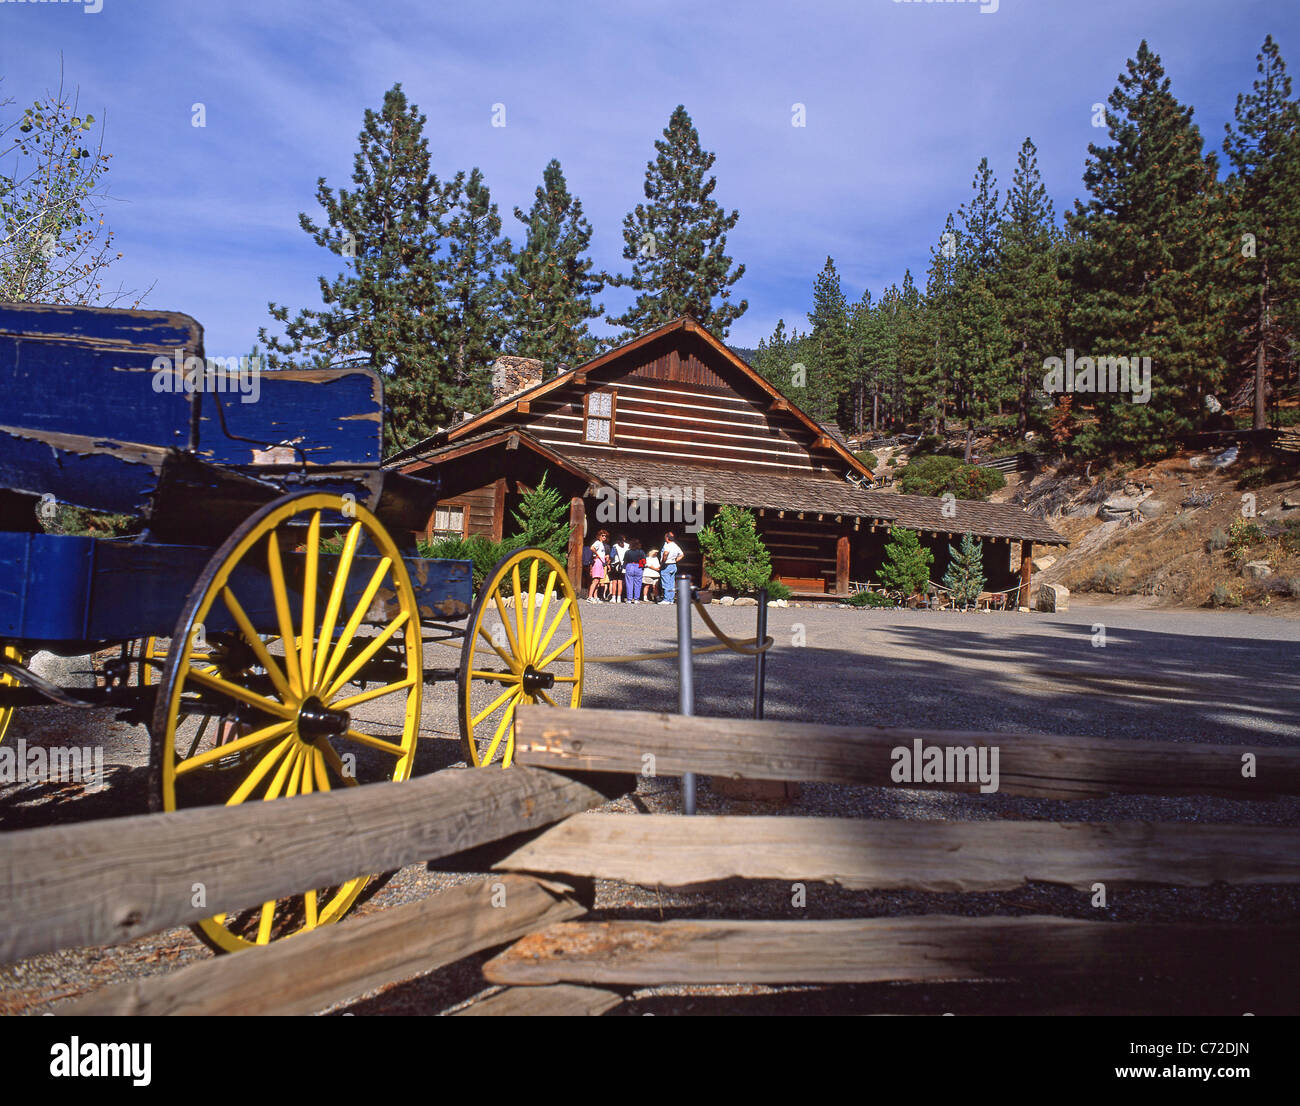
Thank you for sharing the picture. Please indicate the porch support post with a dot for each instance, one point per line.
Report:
(1026, 571)
(577, 529)
(842, 565)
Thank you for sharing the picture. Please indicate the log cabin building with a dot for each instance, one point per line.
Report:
(657, 433)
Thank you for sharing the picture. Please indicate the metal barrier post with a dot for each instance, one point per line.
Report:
(760, 659)
(685, 678)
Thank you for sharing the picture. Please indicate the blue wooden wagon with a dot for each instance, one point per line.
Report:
(270, 618)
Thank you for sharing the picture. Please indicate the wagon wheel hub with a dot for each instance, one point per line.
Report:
(316, 721)
(535, 681)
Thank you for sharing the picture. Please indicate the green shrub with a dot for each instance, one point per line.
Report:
(479, 548)
(78, 522)
(1254, 477)
(965, 576)
(868, 458)
(870, 599)
(927, 443)
(543, 522)
(927, 474)
(1108, 577)
(1241, 536)
(778, 590)
(734, 554)
(907, 562)
(934, 475)
(1227, 595)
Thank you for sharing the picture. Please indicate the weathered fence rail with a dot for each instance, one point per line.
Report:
(1039, 765)
(531, 837)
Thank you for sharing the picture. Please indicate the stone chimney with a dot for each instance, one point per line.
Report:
(513, 374)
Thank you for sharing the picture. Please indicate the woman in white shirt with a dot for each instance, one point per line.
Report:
(650, 577)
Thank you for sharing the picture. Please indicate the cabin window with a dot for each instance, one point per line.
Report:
(448, 522)
(599, 423)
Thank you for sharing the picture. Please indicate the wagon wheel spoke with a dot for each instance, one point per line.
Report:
(375, 743)
(260, 771)
(359, 612)
(537, 669)
(331, 757)
(257, 737)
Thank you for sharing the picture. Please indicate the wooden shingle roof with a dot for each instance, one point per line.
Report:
(820, 494)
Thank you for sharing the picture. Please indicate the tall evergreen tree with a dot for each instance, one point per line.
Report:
(1263, 148)
(865, 342)
(979, 341)
(392, 304)
(829, 381)
(477, 257)
(1141, 265)
(1028, 284)
(981, 221)
(677, 240)
(551, 285)
(935, 369)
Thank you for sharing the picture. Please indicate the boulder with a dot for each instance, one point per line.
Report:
(1042, 564)
(1118, 508)
(726, 600)
(1053, 598)
(1151, 508)
(746, 601)
(1257, 570)
(1289, 504)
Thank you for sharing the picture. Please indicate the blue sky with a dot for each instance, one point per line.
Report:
(901, 101)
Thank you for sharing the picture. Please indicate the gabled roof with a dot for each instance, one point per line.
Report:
(824, 436)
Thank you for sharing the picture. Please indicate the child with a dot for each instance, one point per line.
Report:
(650, 576)
(599, 558)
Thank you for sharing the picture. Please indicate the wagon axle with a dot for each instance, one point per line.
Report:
(317, 721)
(535, 681)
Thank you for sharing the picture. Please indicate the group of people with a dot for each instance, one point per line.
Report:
(624, 572)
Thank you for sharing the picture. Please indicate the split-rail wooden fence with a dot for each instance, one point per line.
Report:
(532, 833)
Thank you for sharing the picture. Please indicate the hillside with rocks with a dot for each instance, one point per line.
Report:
(1195, 529)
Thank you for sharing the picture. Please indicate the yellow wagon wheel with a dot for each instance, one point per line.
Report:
(288, 718)
(523, 645)
(7, 713)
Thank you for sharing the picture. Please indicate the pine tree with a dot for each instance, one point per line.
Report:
(677, 241)
(1264, 191)
(551, 285)
(981, 221)
(865, 349)
(935, 370)
(979, 341)
(773, 360)
(477, 256)
(542, 522)
(1141, 264)
(734, 553)
(1028, 285)
(388, 307)
(907, 562)
(965, 576)
(828, 383)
